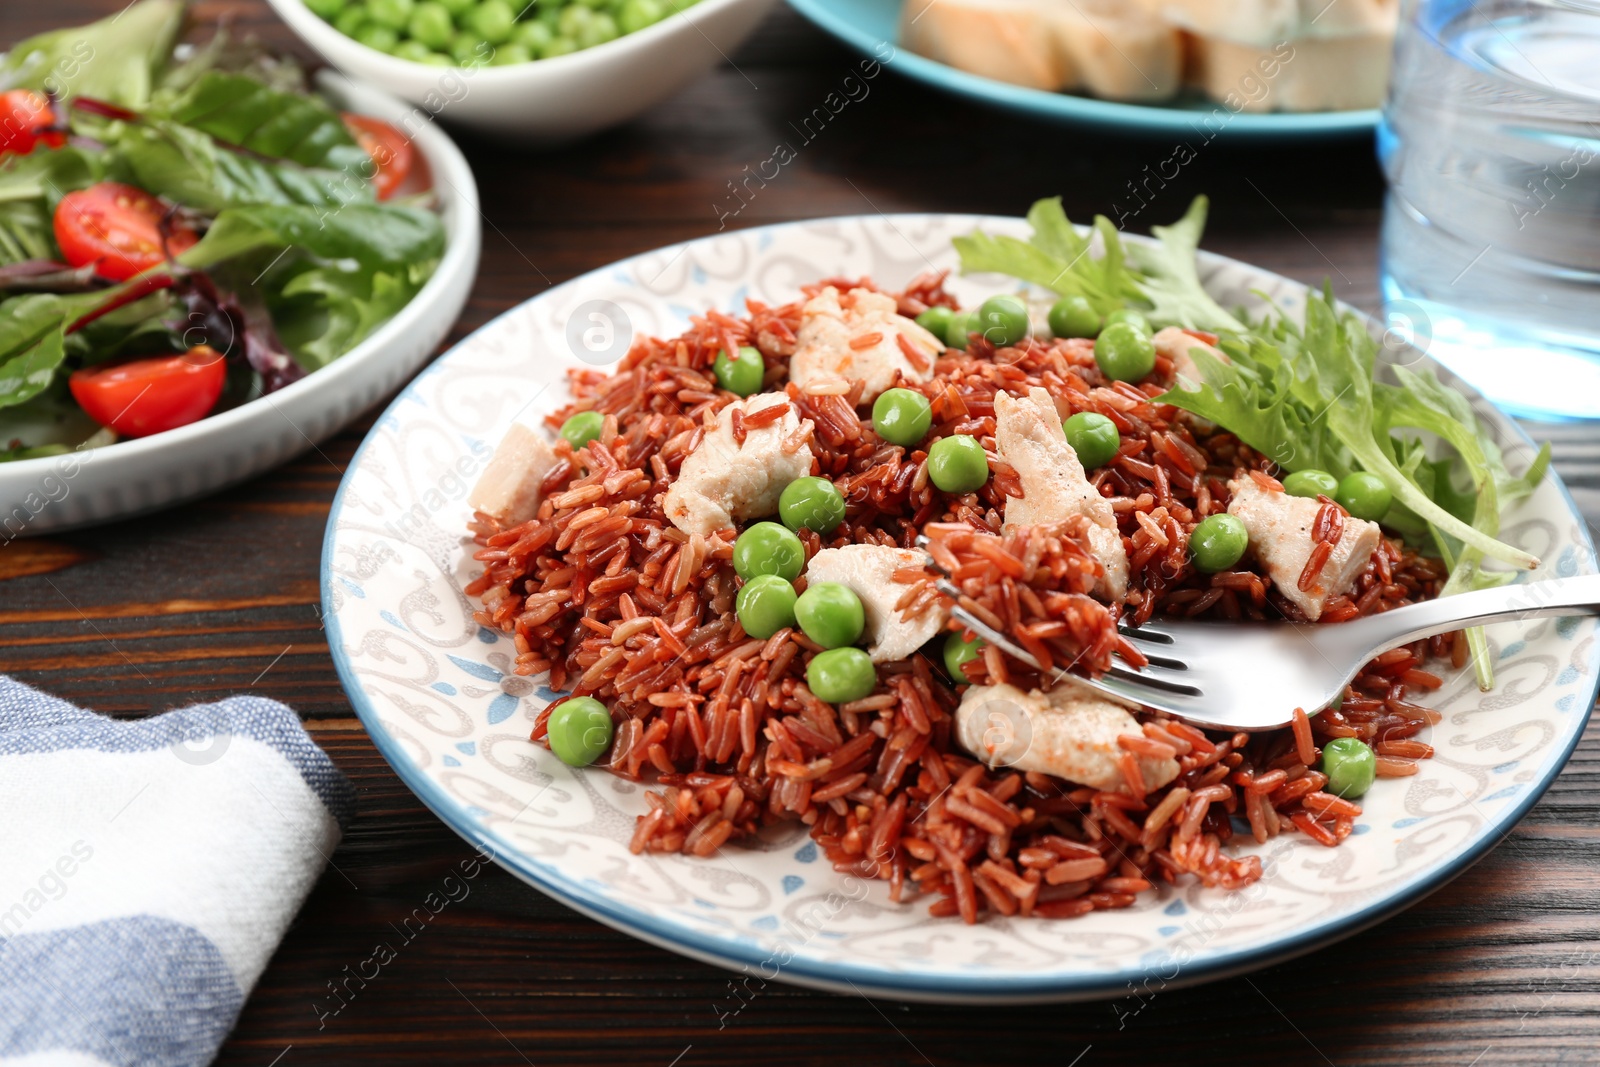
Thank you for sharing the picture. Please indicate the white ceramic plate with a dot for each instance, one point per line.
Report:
(433, 690)
(132, 477)
(556, 99)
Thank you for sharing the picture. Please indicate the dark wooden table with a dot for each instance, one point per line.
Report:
(221, 596)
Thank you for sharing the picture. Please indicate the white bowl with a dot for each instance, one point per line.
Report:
(132, 477)
(549, 100)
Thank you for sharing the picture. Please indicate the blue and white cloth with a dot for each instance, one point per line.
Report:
(148, 870)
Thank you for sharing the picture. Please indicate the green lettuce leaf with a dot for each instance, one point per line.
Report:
(30, 188)
(323, 312)
(117, 59)
(377, 236)
(241, 111)
(190, 167)
(1056, 258)
(1170, 280)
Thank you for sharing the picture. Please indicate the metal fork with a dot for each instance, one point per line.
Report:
(1253, 675)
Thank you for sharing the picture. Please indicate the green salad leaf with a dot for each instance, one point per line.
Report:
(117, 59)
(246, 113)
(30, 188)
(190, 167)
(1307, 395)
(374, 235)
(33, 340)
(325, 311)
(1057, 258)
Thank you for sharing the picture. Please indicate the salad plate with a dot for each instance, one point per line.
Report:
(440, 698)
(131, 477)
(872, 26)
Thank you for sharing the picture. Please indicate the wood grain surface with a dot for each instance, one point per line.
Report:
(220, 597)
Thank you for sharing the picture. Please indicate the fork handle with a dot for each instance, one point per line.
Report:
(1579, 595)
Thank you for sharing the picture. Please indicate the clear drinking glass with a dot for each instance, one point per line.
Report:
(1490, 140)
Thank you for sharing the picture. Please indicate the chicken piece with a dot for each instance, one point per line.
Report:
(508, 490)
(1028, 435)
(868, 571)
(828, 333)
(1279, 526)
(1066, 731)
(1176, 344)
(722, 482)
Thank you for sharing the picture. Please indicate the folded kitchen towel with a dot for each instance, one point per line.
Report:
(148, 869)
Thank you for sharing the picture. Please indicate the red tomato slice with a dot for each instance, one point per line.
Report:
(118, 229)
(391, 151)
(24, 120)
(147, 396)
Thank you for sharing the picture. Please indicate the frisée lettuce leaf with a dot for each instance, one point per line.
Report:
(1308, 395)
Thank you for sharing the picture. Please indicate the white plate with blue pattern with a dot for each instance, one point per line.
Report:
(435, 692)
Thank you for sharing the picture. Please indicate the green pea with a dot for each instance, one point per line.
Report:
(901, 416)
(936, 320)
(579, 731)
(1124, 353)
(1003, 320)
(430, 23)
(457, 8)
(534, 36)
(1217, 543)
(391, 13)
(511, 53)
(767, 548)
(582, 428)
(830, 614)
(741, 374)
(1074, 316)
(811, 504)
(959, 330)
(493, 20)
(415, 51)
(558, 46)
(379, 38)
(350, 21)
(635, 15)
(1364, 495)
(1132, 317)
(574, 19)
(765, 605)
(601, 28)
(957, 464)
(470, 50)
(1311, 483)
(1350, 765)
(961, 648)
(1093, 437)
(841, 675)
(325, 9)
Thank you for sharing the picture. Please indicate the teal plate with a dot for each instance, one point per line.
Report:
(868, 25)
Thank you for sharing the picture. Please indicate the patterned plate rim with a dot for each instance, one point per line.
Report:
(866, 979)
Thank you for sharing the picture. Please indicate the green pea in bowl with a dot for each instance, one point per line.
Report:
(541, 73)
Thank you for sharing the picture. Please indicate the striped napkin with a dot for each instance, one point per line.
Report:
(148, 870)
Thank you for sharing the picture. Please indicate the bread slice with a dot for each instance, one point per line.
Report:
(1307, 74)
(1269, 22)
(1105, 47)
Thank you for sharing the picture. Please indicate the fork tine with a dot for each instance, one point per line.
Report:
(1158, 678)
(1151, 631)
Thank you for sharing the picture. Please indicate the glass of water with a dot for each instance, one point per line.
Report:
(1491, 231)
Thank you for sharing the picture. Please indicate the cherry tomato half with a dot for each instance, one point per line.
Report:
(391, 151)
(146, 396)
(24, 120)
(118, 229)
